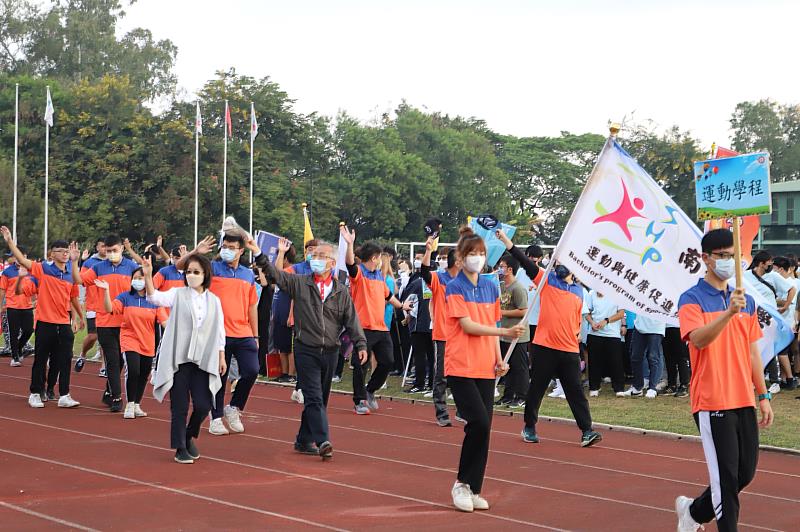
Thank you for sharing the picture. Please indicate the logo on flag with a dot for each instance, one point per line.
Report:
(48, 111)
(198, 121)
(253, 123)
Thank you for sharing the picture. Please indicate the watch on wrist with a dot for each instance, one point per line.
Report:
(767, 396)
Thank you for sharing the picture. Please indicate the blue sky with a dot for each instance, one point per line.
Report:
(526, 67)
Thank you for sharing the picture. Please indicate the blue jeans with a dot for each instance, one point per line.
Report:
(646, 347)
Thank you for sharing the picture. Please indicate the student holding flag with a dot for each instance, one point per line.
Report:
(722, 329)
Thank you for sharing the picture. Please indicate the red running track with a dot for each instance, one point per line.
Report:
(87, 469)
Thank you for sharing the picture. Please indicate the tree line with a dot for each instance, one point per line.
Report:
(116, 166)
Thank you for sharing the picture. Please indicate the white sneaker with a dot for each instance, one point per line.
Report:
(632, 392)
(685, 521)
(130, 411)
(96, 357)
(35, 401)
(621, 394)
(496, 392)
(557, 393)
(450, 397)
(428, 395)
(233, 418)
(137, 410)
(651, 394)
(217, 427)
(594, 393)
(297, 396)
(661, 386)
(775, 388)
(607, 380)
(479, 503)
(65, 401)
(462, 497)
(15, 363)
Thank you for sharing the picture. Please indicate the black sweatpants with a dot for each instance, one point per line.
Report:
(136, 375)
(730, 443)
(314, 373)
(518, 377)
(440, 383)
(549, 363)
(380, 343)
(676, 355)
(20, 329)
(474, 400)
(422, 345)
(605, 358)
(53, 342)
(109, 341)
(188, 381)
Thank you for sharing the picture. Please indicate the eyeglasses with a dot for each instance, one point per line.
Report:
(320, 257)
(59, 250)
(723, 256)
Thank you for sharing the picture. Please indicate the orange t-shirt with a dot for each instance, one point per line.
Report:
(563, 306)
(137, 332)
(236, 290)
(722, 372)
(467, 355)
(439, 282)
(369, 292)
(118, 278)
(94, 299)
(8, 282)
(56, 289)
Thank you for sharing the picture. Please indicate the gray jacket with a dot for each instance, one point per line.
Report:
(317, 324)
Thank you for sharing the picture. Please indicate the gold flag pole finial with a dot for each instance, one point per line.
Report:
(614, 128)
(713, 148)
(304, 205)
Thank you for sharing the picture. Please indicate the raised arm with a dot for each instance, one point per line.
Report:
(21, 259)
(425, 270)
(129, 248)
(286, 281)
(204, 247)
(350, 258)
(530, 267)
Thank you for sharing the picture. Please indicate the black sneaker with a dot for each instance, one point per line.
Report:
(291, 379)
(682, 392)
(305, 448)
(182, 456)
(502, 402)
(414, 389)
(589, 438)
(106, 398)
(79, 364)
(669, 390)
(191, 449)
(444, 422)
(116, 405)
(51, 395)
(326, 450)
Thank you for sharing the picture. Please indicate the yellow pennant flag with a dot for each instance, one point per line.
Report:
(307, 234)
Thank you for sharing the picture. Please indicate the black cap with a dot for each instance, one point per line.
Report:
(433, 227)
(487, 221)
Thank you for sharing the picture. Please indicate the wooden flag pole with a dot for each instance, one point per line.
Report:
(737, 251)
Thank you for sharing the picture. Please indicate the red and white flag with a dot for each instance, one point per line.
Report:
(198, 121)
(253, 123)
(228, 119)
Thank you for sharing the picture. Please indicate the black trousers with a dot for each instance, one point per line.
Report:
(188, 381)
(53, 342)
(314, 373)
(399, 349)
(548, 363)
(440, 383)
(627, 353)
(676, 355)
(422, 345)
(20, 329)
(109, 341)
(730, 443)
(136, 375)
(605, 358)
(474, 400)
(380, 343)
(246, 353)
(518, 377)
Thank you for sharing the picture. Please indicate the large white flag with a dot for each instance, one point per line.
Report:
(198, 121)
(48, 111)
(628, 239)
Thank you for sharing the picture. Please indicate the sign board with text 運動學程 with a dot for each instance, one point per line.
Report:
(733, 186)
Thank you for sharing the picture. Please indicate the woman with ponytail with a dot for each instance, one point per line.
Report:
(472, 362)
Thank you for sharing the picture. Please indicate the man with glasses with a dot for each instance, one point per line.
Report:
(55, 328)
(322, 307)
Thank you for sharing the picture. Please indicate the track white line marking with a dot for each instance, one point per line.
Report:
(46, 517)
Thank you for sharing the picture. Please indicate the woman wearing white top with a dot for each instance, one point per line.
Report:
(191, 356)
(604, 343)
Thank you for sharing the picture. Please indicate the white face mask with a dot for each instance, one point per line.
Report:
(475, 263)
(194, 280)
(137, 284)
(417, 264)
(114, 257)
(725, 268)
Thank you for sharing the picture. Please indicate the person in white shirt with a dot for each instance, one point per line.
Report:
(191, 357)
(604, 343)
(646, 349)
(782, 275)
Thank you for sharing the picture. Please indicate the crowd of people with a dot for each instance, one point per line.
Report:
(190, 325)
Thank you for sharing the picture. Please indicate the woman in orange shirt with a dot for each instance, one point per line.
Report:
(472, 362)
(136, 337)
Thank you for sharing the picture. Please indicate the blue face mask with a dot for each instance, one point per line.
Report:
(724, 268)
(137, 284)
(318, 265)
(228, 255)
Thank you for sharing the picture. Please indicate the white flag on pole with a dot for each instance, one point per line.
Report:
(48, 111)
(253, 123)
(198, 121)
(629, 240)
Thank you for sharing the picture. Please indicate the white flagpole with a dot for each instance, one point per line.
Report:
(225, 168)
(196, 175)
(46, 179)
(16, 152)
(252, 140)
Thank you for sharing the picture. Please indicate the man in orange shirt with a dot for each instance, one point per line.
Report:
(58, 293)
(370, 294)
(721, 326)
(18, 308)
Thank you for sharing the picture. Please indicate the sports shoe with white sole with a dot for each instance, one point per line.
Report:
(361, 409)
(479, 503)
(651, 394)
(372, 403)
(621, 394)
(557, 394)
(217, 427)
(775, 388)
(685, 521)
(632, 392)
(65, 401)
(15, 363)
(297, 396)
(35, 401)
(233, 418)
(428, 395)
(594, 393)
(462, 497)
(137, 410)
(130, 411)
